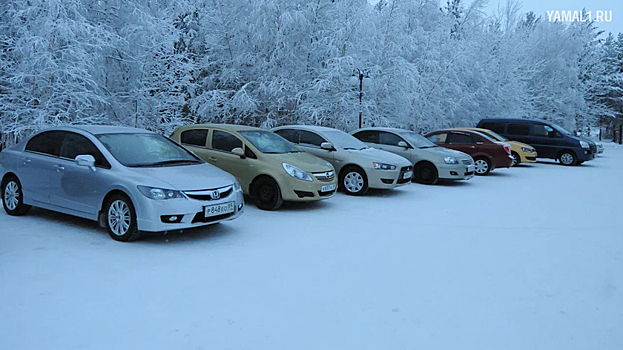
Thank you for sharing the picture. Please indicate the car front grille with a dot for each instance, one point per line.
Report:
(211, 194)
(403, 170)
(466, 161)
(593, 148)
(325, 176)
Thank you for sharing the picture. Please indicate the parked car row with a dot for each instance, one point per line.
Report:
(132, 180)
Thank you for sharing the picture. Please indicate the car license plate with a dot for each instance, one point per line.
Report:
(218, 209)
(327, 188)
(407, 175)
(471, 168)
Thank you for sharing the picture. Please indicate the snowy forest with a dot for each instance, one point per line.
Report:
(429, 64)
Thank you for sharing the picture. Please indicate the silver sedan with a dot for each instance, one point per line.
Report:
(129, 180)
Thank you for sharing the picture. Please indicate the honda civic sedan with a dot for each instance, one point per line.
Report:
(129, 180)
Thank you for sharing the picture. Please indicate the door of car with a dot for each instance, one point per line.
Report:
(546, 140)
(220, 154)
(389, 142)
(37, 164)
(77, 187)
(461, 142)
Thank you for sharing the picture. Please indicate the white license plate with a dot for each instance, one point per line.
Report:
(327, 188)
(218, 209)
(407, 175)
(471, 168)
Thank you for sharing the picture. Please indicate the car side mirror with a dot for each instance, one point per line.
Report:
(86, 160)
(239, 152)
(403, 144)
(327, 146)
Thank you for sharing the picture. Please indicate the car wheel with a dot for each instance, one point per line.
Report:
(13, 198)
(567, 158)
(482, 165)
(267, 194)
(354, 181)
(425, 173)
(516, 159)
(121, 219)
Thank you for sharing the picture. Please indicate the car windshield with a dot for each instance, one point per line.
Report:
(343, 140)
(561, 130)
(495, 135)
(146, 150)
(418, 140)
(267, 142)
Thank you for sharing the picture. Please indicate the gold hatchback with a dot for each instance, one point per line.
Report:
(268, 167)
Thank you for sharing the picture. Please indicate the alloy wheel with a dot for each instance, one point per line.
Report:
(353, 182)
(119, 218)
(481, 166)
(566, 159)
(515, 160)
(11, 195)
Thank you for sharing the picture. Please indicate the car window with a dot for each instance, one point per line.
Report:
(146, 150)
(288, 134)
(438, 138)
(268, 142)
(387, 138)
(518, 129)
(74, 145)
(309, 138)
(48, 142)
(196, 137)
(368, 136)
(417, 140)
(494, 135)
(459, 139)
(497, 127)
(224, 141)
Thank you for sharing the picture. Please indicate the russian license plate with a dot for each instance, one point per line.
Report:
(327, 188)
(407, 175)
(218, 209)
(471, 168)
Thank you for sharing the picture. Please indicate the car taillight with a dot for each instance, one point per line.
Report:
(507, 148)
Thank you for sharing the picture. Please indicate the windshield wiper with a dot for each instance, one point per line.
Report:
(167, 162)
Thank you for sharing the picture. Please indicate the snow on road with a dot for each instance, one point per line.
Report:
(527, 258)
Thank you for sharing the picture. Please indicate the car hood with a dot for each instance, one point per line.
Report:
(445, 152)
(520, 144)
(189, 177)
(305, 161)
(377, 155)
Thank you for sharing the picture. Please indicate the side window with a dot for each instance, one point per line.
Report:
(194, 137)
(309, 138)
(544, 131)
(518, 129)
(48, 142)
(387, 138)
(74, 145)
(224, 141)
(249, 154)
(288, 134)
(496, 127)
(368, 136)
(460, 139)
(438, 138)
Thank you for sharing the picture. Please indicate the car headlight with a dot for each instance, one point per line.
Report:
(527, 150)
(159, 193)
(450, 160)
(383, 166)
(584, 144)
(296, 172)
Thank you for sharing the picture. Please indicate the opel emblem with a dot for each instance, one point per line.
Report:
(215, 194)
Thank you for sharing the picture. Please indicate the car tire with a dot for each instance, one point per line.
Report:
(266, 194)
(425, 173)
(482, 165)
(567, 158)
(516, 159)
(120, 219)
(353, 181)
(13, 197)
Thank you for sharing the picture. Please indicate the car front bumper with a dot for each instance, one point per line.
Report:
(388, 179)
(528, 157)
(456, 171)
(150, 212)
(294, 190)
(584, 154)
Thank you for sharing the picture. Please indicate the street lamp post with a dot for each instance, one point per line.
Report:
(359, 76)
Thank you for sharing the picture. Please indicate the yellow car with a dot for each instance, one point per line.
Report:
(521, 152)
(268, 167)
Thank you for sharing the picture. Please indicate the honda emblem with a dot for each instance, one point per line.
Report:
(215, 194)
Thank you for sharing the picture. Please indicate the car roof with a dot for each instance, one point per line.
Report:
(472, 129)
(307, 127)
(380, 128)
(231, 127)
(101, 129)
(511, 120)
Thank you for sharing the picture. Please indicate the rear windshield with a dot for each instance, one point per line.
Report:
(267, 142)
(417, 140)
(495, 135)
(343, 140)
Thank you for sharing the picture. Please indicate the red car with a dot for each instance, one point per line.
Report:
(488, 154)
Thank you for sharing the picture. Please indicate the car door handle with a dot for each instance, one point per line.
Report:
(472, 146)
(26, 161)
(59, 168)
(212, 159)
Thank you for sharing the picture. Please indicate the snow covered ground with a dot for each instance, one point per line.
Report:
(527, 258)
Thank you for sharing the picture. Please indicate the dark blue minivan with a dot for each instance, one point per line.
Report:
(549, 140)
